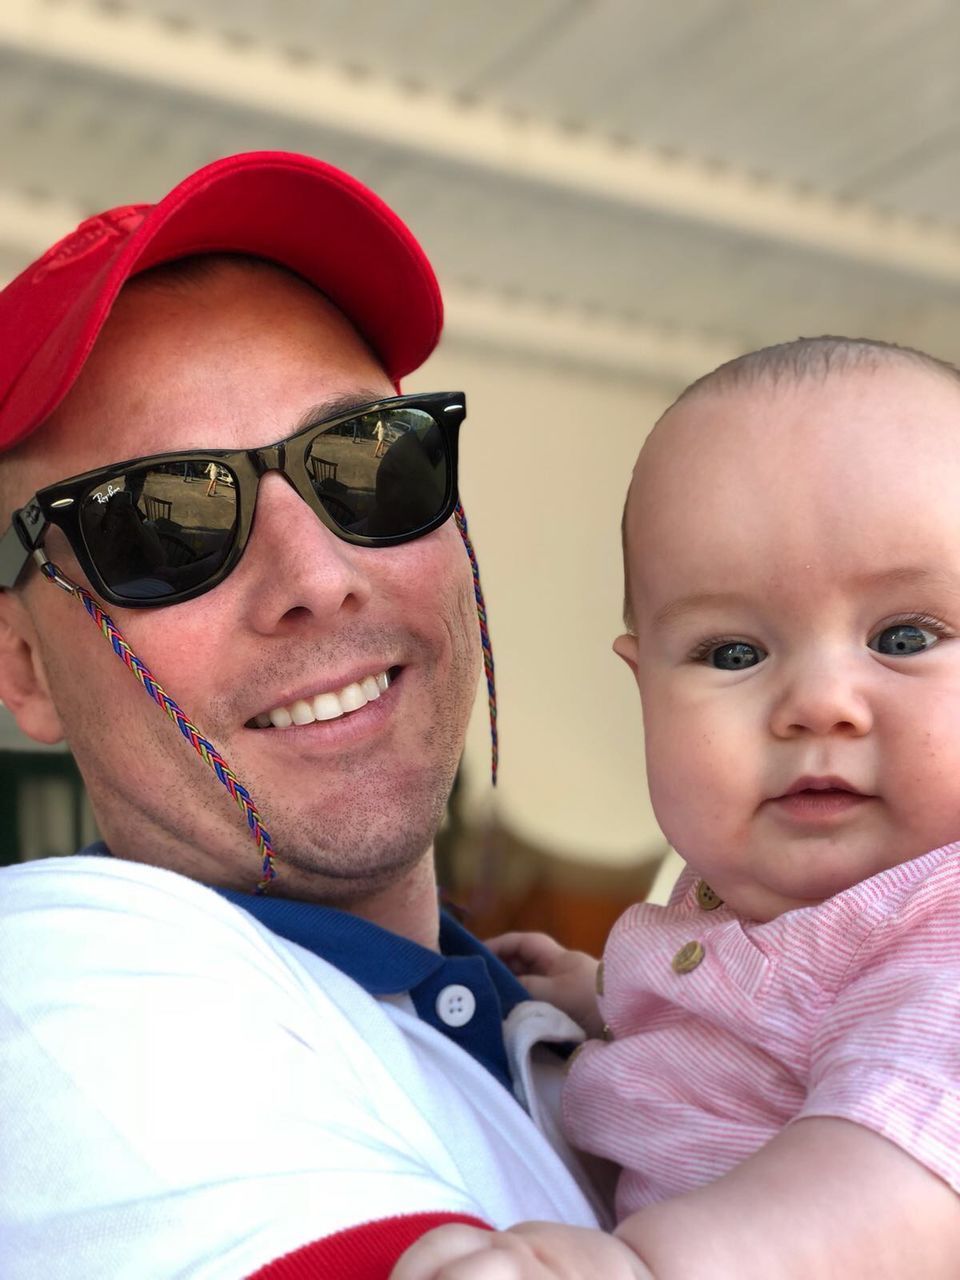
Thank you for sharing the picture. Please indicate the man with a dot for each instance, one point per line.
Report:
(196, 1079)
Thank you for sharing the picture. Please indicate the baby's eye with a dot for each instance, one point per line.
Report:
(734, 655)
(902, 639)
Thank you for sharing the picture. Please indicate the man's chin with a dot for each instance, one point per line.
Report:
(342, 873)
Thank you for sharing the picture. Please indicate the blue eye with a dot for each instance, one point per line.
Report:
(903, 639)
(735, 655)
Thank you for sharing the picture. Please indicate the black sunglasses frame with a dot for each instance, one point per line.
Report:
(60, 504)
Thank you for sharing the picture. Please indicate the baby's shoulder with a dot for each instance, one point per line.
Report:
(907, 917)
(915, 891)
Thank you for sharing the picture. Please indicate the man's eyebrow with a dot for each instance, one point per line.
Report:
(336, 405)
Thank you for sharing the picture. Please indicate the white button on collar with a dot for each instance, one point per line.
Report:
(456, 1005)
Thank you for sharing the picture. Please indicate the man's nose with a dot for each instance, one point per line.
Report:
(821, 697)
(295, 570)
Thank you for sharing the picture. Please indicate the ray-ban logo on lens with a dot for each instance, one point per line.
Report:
(104, 495)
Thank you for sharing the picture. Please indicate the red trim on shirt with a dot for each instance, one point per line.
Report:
(366, 1252)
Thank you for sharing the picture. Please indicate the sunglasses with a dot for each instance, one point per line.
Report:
(165, 528)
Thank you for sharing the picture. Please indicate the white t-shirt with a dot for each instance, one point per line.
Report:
(183, 1092)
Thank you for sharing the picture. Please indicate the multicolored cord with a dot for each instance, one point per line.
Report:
(203, 746)
(487, 647)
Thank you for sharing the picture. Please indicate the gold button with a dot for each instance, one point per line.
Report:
(599, 982)
(688, 957)
(706, 898)
(606, 1033)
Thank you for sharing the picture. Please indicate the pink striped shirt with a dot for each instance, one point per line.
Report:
(850, 1009)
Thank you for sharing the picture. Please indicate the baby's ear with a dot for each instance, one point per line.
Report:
(23, 679)
(626, 647)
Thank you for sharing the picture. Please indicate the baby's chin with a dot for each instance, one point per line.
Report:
(761, 879)
(766, 900)
(764, 907)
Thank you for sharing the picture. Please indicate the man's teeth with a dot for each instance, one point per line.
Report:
(325, 706)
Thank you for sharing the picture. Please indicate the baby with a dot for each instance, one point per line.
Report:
(777, 1067)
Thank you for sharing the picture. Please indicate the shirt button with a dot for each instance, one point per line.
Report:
(707, 900)
(688, 957)
(456, 1005)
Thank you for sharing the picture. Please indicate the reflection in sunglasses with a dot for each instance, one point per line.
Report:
(149, 531)
(153, 535)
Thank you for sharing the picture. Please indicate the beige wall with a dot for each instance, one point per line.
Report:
(546, 456)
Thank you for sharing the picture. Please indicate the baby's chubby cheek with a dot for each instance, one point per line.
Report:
(692, 791)
(670, 793)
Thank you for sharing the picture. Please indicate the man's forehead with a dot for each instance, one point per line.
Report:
(86, 430)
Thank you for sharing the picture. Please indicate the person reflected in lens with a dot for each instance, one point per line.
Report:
(380, 435)
(410, 482)
(128, 547)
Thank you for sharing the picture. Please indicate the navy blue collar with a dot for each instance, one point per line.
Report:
(384, 963)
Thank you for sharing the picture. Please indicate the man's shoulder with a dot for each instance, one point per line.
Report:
(89, 869)
(67, 921)
(113, 946)
(89, 885)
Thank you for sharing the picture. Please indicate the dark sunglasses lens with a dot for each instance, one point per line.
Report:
(384, 474)
(155, 531)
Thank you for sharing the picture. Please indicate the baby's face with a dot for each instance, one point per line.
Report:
(795, 579)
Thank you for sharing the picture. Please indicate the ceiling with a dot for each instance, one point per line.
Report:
(640, 186)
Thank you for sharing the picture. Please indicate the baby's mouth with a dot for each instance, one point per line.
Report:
(825, 787)
(819, 799)
(331, 705)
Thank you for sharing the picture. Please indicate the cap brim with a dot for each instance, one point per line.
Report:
(289, 209)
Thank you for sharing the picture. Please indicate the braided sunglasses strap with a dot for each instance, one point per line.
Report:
(203, 746)
(487, 647)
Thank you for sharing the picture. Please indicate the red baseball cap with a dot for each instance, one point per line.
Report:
(290, 209)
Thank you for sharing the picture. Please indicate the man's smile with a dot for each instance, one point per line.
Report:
(329, 705)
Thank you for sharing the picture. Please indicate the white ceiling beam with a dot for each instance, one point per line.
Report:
(121, 43)
(572, 337)
(29, 226)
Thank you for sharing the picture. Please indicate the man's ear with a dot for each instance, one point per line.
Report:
(23, 679)
(625, 646)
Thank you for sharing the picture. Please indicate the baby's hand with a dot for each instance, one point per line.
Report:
(530, 1251)
(550, 972)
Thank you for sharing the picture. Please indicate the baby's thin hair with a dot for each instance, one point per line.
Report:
(792, 362)
(812, 358)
